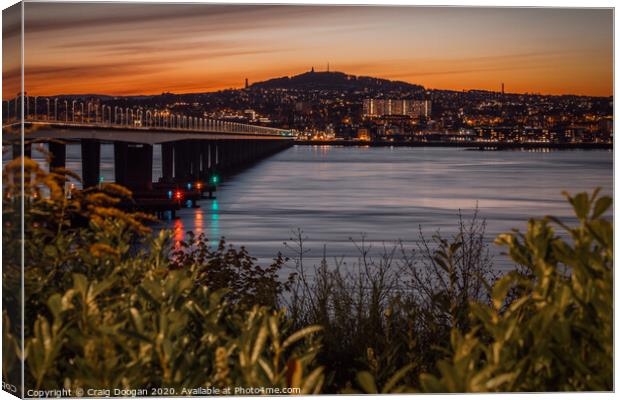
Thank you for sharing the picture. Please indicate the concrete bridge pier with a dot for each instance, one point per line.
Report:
(17, 150)
(182, 164)
(133, 165)
(58, 154)
(91, 157)
(206, 160)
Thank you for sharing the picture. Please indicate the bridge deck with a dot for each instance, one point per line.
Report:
(134, 134)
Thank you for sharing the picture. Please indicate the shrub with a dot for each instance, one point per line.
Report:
(248, 283)
(556, 333)
(107, 308)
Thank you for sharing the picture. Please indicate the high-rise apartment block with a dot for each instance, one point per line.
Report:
(411, 108)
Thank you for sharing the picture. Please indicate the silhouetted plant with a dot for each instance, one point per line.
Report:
(247, 282)
(392, 310)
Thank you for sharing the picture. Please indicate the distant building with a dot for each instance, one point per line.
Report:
(249, 114)
(410, 108)
(363, 134)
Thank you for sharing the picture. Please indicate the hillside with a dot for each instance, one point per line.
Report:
(335, 81)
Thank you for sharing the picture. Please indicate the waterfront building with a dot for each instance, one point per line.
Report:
(411, 108)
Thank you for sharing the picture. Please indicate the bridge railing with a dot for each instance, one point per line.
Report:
(73, 112)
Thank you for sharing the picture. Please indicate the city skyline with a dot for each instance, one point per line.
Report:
(132, 49)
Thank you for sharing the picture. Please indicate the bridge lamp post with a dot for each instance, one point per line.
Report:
(55, 109)
(47, 116)
(73, 111)
(36, 114)
(115, 113)
(66, 111)
(82, 111)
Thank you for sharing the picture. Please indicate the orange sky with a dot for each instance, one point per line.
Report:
(124, 49)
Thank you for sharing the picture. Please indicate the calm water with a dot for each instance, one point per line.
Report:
(338, 193)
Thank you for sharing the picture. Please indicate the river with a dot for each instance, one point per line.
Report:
(335, 194)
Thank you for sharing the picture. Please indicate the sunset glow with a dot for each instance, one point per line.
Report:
(130, 49)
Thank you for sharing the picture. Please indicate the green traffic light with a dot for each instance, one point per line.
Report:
(215, 179)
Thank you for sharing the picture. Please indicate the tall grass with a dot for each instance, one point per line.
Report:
(394, 305)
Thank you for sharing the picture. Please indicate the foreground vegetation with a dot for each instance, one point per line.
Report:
(110, 304)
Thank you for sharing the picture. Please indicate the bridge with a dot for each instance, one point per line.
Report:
(194, 149)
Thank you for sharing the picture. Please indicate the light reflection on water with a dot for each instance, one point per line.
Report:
(179, 231)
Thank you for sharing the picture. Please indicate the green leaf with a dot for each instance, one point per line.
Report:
(601, 206)
(367, 382)
(300, 334)
(394, 379)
